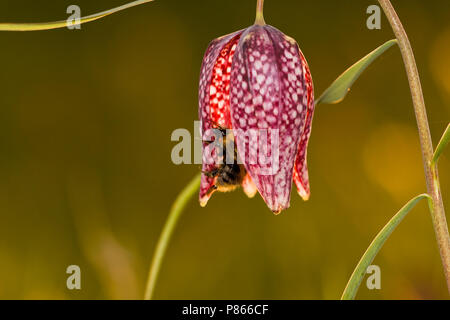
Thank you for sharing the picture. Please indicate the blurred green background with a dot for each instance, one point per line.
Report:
(86, 176)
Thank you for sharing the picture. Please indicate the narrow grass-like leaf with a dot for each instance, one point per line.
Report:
(442, 144)
(63, 23)
(341, 86)
(360, 270)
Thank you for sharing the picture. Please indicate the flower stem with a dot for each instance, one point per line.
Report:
(431, 172)
(164, 238)
(260, 13)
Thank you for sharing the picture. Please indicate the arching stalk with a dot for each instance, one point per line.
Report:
(260, 13)
(431, 172)
(164, 239)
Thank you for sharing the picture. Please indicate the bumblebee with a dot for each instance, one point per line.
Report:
(229, 176)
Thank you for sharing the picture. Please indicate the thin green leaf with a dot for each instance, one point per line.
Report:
(442, 144)
(64, 23)
(341, 86)
(360, 270)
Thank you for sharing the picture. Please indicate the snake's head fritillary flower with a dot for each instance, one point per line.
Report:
(256, 83)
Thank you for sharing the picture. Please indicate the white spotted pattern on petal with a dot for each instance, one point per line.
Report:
(209, 60)
(268, 91)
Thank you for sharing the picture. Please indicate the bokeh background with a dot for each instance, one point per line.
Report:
(86, 176)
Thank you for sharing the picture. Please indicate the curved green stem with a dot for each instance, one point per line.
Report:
(166, 234)
(431, 172)
(260, 13)
(63, 23)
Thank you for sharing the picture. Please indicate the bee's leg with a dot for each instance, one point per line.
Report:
(218, 126)
(212, 174)
(212, 189)
(207, 142)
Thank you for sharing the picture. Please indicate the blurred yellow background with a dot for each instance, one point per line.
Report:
(86, 176)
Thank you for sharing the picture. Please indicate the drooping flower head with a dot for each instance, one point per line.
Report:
(256, 83)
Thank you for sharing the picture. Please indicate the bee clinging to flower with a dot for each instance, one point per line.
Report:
(256, 84)
(228, 175)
